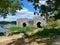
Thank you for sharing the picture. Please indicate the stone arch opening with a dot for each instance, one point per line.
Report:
(39, 24)
(24, 24)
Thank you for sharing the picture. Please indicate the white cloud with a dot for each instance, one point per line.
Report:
(24, 13)
(22, 10)
(43, 2)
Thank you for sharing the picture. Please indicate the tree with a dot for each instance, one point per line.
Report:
(9, 6)
(48, 9)
(57, 14)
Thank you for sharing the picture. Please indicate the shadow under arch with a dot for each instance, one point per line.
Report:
(39, 24)
(24, 24)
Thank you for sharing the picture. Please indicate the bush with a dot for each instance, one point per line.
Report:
(47, 33)
(30, 28)
(51, 19)
(54, 24)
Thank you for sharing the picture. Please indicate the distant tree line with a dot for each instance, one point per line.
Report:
(6, 22)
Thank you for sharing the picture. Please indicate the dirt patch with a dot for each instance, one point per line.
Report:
(26, 41)
(16, 40)
(4, 40)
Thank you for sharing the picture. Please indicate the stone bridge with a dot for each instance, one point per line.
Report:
(37, 21)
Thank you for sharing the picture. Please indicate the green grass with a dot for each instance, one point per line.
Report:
(13, 28)
(21, 29)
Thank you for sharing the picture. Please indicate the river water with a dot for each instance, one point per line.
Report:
(3, 27)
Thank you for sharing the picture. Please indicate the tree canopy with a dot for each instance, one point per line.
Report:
(9, 6)
(46, 9)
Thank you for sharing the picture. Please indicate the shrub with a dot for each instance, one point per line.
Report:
(47, 33)
(54, 24)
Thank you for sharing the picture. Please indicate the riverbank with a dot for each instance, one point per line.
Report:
(4, 40)
(17, 40)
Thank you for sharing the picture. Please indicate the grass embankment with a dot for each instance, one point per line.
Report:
(21, 29)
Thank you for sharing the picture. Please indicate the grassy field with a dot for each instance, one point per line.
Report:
(21, 29)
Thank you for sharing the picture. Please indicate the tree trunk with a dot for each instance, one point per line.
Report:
(46, 17)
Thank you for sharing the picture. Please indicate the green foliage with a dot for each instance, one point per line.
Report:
(53, 6)
(44, 27)
(58, 25)
(44, 8)
(30, 28)
(9, 6)
(54, 24)
(57, 14)
(47, 33)
(6, 22)
(51, 19)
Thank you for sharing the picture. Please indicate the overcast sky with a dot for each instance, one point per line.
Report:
(26, 12)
